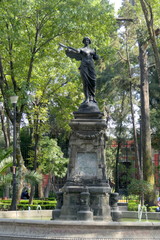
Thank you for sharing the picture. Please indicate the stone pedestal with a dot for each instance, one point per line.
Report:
(113, 202)
(86, 192)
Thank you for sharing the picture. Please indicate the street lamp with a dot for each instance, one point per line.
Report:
(14, 100)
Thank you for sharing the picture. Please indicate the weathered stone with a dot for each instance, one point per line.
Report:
(113, 202)
(86, 168)
(77, 230)
(85, 215)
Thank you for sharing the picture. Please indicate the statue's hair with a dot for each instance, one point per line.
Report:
(85, 39)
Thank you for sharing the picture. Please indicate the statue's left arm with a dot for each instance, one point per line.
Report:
(95, 56)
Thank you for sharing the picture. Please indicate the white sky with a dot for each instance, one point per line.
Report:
(117, 3)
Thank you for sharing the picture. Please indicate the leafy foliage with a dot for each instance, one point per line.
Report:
(24, 204)
(33, 177)
(6, 162)
(5, 179)
(51, 158)
(139, 187)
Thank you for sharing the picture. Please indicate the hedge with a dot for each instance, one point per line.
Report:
(152, 208)
(24, 204)
(133, 206)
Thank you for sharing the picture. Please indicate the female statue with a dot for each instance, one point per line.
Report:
(86, 55)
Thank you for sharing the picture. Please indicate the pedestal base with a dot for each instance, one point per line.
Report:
(86, 192)
(98, 208)
(56, 214)
(85, 215)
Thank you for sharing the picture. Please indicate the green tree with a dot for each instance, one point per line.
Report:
(126, 69)
(148, 8)
(31, 31)
(144, 39)
(50, 160)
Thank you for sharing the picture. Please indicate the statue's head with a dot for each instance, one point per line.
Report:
(86, 38)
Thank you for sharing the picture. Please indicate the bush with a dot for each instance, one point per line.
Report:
(24, 204)
(5, 201)
(34, 206)
(133, 197)
(152, 209)
(4, 206)
(132, 207)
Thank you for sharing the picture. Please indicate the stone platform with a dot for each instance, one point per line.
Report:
(77, 230)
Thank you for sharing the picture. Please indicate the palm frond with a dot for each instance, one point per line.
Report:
(5, 154)
(33, 177)
(5, 179)
(5, 163)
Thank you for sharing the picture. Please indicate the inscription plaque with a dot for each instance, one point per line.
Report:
(86, 164)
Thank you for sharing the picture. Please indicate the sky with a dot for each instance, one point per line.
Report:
(117, 3)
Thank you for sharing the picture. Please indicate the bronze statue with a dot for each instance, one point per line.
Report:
(86, 55)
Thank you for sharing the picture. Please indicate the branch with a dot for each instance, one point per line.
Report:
(149, 23)
(122, 56)
(124, 19)
(151, 13)
(10, 45)
(50, 39)
(33, 51)
(44, 90)
(62, 84)
(2, 81)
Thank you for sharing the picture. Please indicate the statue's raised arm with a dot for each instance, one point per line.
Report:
(86, 55)
(72, 52)
(69, 48)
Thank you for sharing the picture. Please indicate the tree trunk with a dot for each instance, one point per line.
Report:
(4, 130)
(32, 193)
(137, 153)
(35, 138)
(19, 178)
(119, 145)
(137, 158)
(148, 172)
(117, 167)
(21, 168)
(48, 187)
(8, 129)
(40, 190)
(147, 10)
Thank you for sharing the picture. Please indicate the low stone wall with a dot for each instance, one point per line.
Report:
(11, 229)
(28, 214)
(48, 214)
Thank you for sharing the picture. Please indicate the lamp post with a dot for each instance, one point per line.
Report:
(14, 100)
